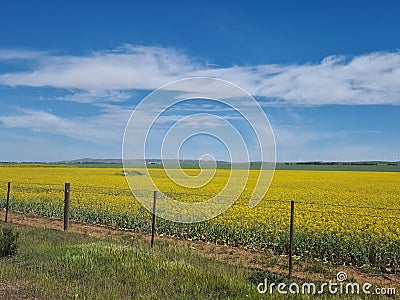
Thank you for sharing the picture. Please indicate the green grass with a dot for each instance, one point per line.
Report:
(57, 265)
(368, 167)
(53, 264)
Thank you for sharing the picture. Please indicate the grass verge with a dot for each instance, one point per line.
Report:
(52, 264)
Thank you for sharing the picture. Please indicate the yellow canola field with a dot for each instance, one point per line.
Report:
(361, 206)
(332, 201)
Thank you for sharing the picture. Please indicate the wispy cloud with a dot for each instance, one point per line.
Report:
(129, 67)
(20, 54)
(107, 126)
(104, 128)
(95, 96)
(366, 79)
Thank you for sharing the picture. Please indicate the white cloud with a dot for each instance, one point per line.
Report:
(129, 67)
(14, 54)
(95, 96)
(366, 79)
(104, 128)
(108, 77)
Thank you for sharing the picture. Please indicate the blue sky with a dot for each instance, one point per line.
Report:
(326, 74)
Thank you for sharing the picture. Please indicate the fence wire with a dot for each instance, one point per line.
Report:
(118, 191)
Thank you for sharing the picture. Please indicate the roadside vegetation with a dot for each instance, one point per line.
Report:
(52, 264)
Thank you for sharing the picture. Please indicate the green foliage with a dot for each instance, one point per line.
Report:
(334, 248)
(8, 241)
(70, 266)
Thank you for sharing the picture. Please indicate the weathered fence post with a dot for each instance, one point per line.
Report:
(66, 205)
(8, 200)
(291, 239)
(153, 223)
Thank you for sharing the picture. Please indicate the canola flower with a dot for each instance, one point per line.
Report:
(343, 217)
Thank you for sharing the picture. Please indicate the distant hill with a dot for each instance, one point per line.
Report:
(94, 161)
(133, 161)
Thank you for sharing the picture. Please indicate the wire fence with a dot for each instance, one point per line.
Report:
(328, 208)
(58, 196)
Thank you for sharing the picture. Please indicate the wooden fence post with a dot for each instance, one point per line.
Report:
(291, 239)
(153, 223)
(8, 200)
(66, 205)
